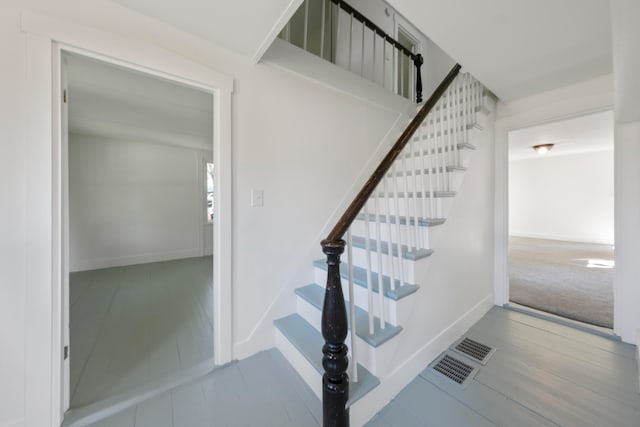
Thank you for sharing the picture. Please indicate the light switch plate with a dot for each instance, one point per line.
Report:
(257, 198)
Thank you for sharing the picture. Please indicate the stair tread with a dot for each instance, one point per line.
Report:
(422, 222)
(360, 279)
(314, 295)
(453, 168)
(413, 255)
(309, 342)
(461, 146)
(420, 194)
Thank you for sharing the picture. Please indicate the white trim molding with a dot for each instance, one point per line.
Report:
(576, 100)
(46, 39)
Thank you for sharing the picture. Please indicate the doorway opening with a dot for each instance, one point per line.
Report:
(561, 219)
(138, 219)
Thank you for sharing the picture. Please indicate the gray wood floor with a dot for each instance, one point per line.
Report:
(262, 390)
(131, 325)
(542, 374)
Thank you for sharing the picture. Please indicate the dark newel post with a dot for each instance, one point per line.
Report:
(335, 382)
(418, 61)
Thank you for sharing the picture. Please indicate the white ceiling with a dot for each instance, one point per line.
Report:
(515, 47)
(519, 47)
(593, 132)
(112, 101)
(245, 26)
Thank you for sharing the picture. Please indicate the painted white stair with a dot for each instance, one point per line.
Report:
(407, 219)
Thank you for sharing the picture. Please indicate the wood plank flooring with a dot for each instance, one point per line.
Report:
(131, 325)
(542, 374)
(262, 390)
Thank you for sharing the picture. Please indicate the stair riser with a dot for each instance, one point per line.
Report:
(375, 359)
(407, 232)
(429, 234)
(436, 182)
(448, 181)
(449, 156)
(396, 311)
(436, 209)
(360, 260)
(299, 363)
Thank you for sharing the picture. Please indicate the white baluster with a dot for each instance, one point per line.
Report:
(440, 148)
(306, 24)
(431, 146)
(398, 233)
(415, 170)
(407, 200)
(401, 61)
(379, 259)
(324, 6)
(352, 309)
(350, 38)
(465, 106)
(373, 59)
(367, 246)
(384, 62)
(392, 270)
(395, 70)
(334, 47)
(452, 131)
(473, 99)
(456, 109)
(362, 52)
(424, 171)
(452, 134)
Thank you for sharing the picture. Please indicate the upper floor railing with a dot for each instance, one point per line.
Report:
(335, 31)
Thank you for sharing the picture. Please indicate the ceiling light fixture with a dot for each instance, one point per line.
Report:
(542, 148)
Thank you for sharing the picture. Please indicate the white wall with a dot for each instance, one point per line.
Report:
(303, 144)
(626, 65)
(563, 197)
(13, 231)
(132, 202)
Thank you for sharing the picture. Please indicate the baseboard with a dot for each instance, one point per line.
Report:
(559, 237)
(107, 262)
(15, 423)
(400, 377)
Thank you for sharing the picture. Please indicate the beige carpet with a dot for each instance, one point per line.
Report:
(570, 279)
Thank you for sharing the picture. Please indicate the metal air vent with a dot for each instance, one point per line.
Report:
(454, 369)
(473, 349)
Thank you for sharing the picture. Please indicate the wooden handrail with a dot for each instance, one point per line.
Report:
(358, 203)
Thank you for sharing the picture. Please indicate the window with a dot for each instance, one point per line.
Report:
(209, 192)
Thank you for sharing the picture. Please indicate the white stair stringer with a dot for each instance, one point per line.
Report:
(408, 214)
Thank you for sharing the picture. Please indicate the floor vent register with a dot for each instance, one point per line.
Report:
(455, 369)
(478, 352)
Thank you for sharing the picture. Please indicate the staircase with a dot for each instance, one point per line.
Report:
(390, 241)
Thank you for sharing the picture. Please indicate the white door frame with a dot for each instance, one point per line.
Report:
(46, 39)
(562, 104)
